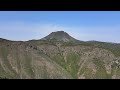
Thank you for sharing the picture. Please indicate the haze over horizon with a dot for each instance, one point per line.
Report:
(82, 25)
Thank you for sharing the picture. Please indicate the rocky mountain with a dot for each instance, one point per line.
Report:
(59, 56)
(59, 36)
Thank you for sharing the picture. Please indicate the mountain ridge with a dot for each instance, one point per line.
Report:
(61, 34)
(59, 59)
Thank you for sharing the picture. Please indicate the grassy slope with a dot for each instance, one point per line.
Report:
(72, 58)
(69, 68)
(26, 63)
(9, 72)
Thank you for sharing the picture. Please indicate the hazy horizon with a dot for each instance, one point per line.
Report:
(82, 25)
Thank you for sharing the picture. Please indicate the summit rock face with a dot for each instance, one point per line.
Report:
(55, 57)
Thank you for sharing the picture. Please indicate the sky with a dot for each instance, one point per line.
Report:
(82, 25)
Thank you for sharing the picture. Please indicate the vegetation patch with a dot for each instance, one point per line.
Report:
(72, 64)
(101, 70)
(27, 64)
(4, 53)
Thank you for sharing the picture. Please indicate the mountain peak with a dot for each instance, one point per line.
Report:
(59, 32)
(59, 36)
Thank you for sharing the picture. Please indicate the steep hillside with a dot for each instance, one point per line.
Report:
(84, 61)
(21, 60)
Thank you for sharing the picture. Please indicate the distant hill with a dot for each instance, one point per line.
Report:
(59, 56)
